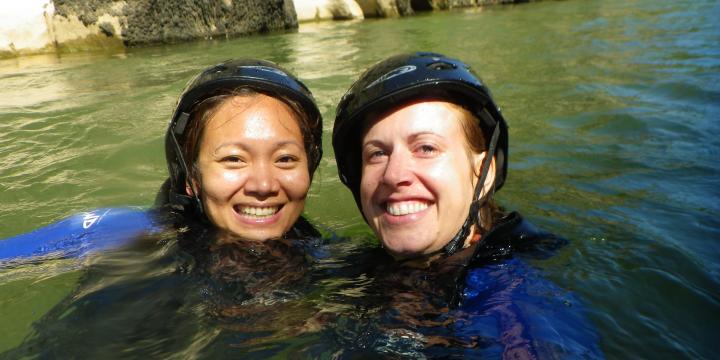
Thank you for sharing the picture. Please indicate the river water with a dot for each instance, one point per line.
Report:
(614, 111)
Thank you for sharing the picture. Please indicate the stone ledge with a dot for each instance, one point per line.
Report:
(41, 26)
(46, 26)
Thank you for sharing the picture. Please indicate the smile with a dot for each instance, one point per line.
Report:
(257, 212)
(405, 207)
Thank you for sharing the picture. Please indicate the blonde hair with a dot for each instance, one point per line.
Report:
(476, 143)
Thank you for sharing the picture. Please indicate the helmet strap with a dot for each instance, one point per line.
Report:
(478, 202)
(178, 129)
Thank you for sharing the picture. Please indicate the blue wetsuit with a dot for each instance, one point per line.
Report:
(505, 308)
(485, 301)
(80, 234)
(518, 312)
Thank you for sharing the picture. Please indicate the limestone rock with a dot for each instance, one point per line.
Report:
(33, 26)
(386, 8)
(309, 10)
(158, 21)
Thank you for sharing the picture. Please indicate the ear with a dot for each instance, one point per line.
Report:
(490, 178)
(195, 187)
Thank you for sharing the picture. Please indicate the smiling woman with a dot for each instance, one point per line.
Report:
(416, 177)
(423, 147)
(252, 167)
(241, 149)
(427, 150)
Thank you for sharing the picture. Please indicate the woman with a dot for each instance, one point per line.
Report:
(241, 148)
(423, 147)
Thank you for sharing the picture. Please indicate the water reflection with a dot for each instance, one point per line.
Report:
(178, 293)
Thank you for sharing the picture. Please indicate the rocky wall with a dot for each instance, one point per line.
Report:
(35, 26)
(70, 25)
(160, 21)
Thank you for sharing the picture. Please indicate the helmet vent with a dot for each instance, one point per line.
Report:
(442, 65)
(219, 68)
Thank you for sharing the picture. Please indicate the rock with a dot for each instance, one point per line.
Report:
(33, 26)
(158, 21)
(310, 10)
(23, 25)
(386, 8)
(107, 28)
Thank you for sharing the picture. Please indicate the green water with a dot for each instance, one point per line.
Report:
(614, 108)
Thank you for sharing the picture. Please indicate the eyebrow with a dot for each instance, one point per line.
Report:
(412, 136)
(244, 146)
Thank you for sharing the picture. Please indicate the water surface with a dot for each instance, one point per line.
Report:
(613, 108)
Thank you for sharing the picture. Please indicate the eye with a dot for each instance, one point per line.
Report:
(232, 159)
(375, 155)
(287, 159)
(426, 149)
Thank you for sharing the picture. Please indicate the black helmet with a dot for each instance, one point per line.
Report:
(409, 77)
(259, 75)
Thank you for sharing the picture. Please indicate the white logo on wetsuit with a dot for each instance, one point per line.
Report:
(89, 220)
(393, 73)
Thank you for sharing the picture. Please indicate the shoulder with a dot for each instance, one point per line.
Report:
(514, 234)
(513, 303)
(80, 234)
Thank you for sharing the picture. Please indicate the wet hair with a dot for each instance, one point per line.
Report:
(490, 212)
(201, 114)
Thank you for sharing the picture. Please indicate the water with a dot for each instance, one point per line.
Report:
(613, 108)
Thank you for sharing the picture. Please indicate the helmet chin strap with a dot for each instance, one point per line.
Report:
(178, 129)
(473, 217)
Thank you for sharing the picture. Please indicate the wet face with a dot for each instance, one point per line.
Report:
(253, 168)
(418, 177)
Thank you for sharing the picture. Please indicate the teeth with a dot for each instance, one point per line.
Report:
(259, 211)
(406, 207)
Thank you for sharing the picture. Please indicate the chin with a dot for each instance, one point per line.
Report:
(255, 235)
(404, 250)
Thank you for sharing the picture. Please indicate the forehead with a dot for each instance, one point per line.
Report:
(258, 117)
(440, 117)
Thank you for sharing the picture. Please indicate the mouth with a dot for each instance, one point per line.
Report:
(257, 212)
(401, 208)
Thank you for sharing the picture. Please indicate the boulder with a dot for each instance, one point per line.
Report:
(311, 10)
(386, 8)
(157, 21)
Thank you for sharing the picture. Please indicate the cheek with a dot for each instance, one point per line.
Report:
(296, 183)
(368, 185)
(462, 190)
(219, 182)
(453, 178)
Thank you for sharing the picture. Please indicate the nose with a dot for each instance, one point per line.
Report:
(398, 171)
(262, 182)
